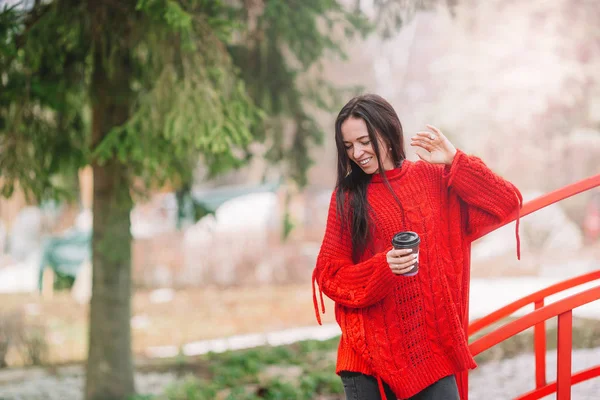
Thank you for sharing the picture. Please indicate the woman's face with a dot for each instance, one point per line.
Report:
(360, 149)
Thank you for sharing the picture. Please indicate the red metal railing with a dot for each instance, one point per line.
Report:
(548, 199)
(563, 309)
(539, 330)
(536, 298)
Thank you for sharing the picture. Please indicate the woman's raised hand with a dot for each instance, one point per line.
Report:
(438, 149)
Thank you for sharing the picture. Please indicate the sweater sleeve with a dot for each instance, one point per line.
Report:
(489, 198)
(352, 285)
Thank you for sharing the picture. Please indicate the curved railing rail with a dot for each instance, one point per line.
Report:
(552, 387)
(539, 330)
(546, 200)
(563, 309)
(536, 298)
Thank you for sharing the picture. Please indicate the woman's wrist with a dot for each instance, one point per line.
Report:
(451, 158)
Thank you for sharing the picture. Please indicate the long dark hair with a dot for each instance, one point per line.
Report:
(351, 186)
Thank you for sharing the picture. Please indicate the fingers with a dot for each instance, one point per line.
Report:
(426, 140)
(428, 136)
(406, 260)
(394, 254)
(425, 144)
(435, 130)
(433, 134)
(401, 261)
(401, 271)
(403, 268)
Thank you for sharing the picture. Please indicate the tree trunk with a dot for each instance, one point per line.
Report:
(109, 365)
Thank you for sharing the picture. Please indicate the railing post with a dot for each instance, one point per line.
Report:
(564, 348)
(463, 384)
(539, 340)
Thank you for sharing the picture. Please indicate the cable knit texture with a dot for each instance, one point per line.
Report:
(409, 331)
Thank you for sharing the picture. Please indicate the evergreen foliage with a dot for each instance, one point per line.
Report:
(142, 90)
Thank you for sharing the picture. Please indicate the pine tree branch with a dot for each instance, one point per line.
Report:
(31, 19)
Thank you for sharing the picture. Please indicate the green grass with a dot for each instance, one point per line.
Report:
(305, 370)
(300, 371)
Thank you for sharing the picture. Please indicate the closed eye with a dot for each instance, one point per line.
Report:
(365, 143)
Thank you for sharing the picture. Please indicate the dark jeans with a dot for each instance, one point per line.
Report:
(364, 387)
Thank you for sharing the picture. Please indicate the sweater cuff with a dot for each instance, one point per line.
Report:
(479, 186)
(379, 277)
(450, 170)
(469, 175)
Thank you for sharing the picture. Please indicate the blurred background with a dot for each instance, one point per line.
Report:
(225, 229)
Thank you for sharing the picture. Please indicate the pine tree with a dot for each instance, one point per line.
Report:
(142, 90)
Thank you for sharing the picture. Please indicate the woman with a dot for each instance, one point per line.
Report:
(402, 336)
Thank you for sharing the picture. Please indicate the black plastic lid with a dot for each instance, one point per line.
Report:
(406, 239)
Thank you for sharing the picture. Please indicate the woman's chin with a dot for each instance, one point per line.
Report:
(370, 170)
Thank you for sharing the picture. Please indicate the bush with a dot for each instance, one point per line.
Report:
(11, 333)
(34, 345)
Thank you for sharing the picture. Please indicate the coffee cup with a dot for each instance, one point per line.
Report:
(408, 240)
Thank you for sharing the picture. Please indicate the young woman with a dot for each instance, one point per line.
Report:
(402, 336)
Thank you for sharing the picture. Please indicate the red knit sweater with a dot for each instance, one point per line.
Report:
(409, 331)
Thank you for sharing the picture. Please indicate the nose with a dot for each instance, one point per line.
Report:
(357, 152)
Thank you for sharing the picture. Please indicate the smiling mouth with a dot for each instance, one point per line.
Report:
(365, 161)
